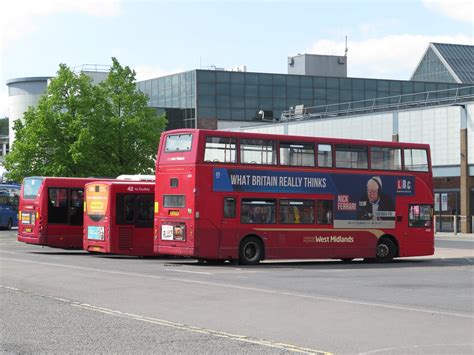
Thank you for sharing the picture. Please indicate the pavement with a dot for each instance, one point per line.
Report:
(455, 236)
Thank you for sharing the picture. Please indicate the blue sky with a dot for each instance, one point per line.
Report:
(386, 39)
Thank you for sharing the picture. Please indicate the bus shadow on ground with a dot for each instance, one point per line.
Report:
(65, 252)
(134, 257)
(337, 264)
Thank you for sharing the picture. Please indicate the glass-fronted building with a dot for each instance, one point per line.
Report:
(201, 98)
(452, 63)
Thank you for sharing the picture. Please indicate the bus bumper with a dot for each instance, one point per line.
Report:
(175, 250)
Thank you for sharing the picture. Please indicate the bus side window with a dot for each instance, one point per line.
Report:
(15, 202)
(324, 212)
(145, 211)
(296, 211)
(229, 207)
(125, 207)
(76, 206)
(258, 211)
(58, 206)
(129, 208)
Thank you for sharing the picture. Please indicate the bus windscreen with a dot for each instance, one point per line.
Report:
(31, 187)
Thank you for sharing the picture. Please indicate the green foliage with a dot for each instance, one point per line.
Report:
(81, 129)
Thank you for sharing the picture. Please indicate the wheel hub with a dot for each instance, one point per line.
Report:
(382, 251)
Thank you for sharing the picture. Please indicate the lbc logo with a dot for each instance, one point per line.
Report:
(404, 185)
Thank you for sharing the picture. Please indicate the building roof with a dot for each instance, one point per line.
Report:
(460, 59)
(28, 79)
(455, 63)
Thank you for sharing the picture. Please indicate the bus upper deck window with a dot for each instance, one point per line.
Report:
(351, 156)
(324, 156)
(297, 154)
(258, 151)
(220, 150)
(416, 160)
(385, 158)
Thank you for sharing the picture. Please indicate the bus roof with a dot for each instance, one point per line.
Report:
(122, 182)
(285, 137)
(67, 179)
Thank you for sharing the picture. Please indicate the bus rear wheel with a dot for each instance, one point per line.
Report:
(251, 251)
(386, 250)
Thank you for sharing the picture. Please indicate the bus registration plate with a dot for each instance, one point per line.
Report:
(95, 233)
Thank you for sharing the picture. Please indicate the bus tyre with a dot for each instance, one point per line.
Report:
(386, 250)
(10, 224)
(251, 251)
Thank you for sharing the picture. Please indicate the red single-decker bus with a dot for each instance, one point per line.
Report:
(118, 218)
(51, 211)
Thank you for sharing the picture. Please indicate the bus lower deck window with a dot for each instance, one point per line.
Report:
(258, 211)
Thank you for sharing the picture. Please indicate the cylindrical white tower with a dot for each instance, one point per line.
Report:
(23, 93)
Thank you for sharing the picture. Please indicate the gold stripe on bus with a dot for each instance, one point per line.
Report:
(376, 232)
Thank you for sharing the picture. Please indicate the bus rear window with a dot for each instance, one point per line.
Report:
(178, 143)
(173, 201)
(31, 187)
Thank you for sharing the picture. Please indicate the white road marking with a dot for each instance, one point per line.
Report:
(190, 328)
(398, 349)
(255, 289)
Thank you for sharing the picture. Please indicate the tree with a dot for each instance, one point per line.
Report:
(81, 129)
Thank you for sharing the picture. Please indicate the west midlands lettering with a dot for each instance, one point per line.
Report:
(276, 181)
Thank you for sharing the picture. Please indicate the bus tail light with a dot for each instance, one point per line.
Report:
(173, 232)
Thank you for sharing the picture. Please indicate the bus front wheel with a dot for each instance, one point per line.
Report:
(10, 224)
(251, 251)
(386, 250)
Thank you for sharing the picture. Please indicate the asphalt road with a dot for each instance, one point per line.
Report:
(52, 300)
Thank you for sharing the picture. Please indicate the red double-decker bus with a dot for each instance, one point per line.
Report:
(249, 197)
(118, 218)
(51, 211)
